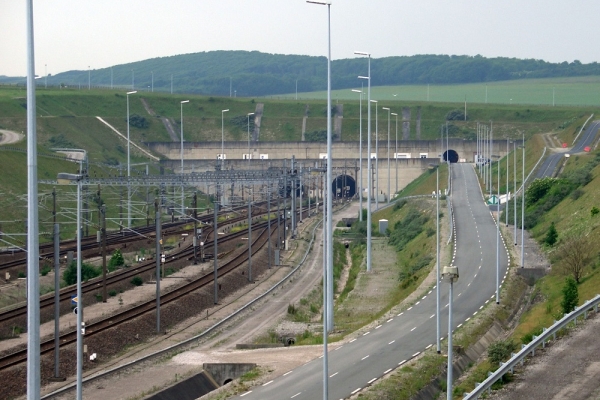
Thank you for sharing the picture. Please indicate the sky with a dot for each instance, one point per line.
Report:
(82, 34)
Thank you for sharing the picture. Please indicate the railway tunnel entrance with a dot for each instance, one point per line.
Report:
(344, 186)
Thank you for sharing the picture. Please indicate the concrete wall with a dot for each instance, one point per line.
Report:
(311, 150)
(227, 372)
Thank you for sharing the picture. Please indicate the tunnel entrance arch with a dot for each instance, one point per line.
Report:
(450, 155)
(343, 186)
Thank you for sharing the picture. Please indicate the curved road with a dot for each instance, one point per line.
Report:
(548, 167)
(361, 361)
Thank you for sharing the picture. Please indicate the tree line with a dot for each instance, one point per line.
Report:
(252, 73)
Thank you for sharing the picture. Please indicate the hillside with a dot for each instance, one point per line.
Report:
(252, 73)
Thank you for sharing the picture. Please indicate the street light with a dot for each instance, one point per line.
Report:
(89, 78)
(376, 157)
(182, 194)
(396, 153)
(523, 208)
(249, 157)
(128, 165)
(388, 152)
(223, 136)
(66, 179)
(328, 289)
(451, 275)
(369, 185)
(360, 188)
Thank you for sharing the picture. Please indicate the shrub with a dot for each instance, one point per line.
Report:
(87, 272)
(137, 281)
(570, 295)
(112, 293)
(45, 269)
(576, 194)
(594, 211)
(551, 235)
(291, 309)
(500, 351)
(138, 121)
(116, 260)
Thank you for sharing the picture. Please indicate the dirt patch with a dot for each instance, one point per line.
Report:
(10, 137)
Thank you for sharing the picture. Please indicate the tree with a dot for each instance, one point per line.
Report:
(551, 236)
(87, 272)
(570, 295)
(116, 260)
(576, 252)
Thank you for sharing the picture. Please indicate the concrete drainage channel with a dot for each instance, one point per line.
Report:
(212, 377)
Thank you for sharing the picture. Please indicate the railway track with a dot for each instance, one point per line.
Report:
(149, 266)
(47, 346)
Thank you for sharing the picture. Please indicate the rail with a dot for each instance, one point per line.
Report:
(540, 340)
(190, 340)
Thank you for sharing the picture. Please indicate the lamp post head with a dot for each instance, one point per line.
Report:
(363, 77)
(184, 101)
(356, 90)
(362, 53)
(321, 3)
(64, 178)
(224, 111)
(374, 101)
(396, 114)
(132, 92)
(386, 108)
(450, 273)
(249, 114)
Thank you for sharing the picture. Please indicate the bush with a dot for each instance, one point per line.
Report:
(594, 211)
(116, 260)
(500, 351)
(576, 194)
(551, 236)
(112, 293)
(138, 121)
(137, 281)
(45, 269)
(570, 295)
(87, 272)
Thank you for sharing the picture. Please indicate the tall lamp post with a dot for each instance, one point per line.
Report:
(128, 164)
(249, 156)
(396, 151)
(360, 188)
(388, 153)
(376, 157)
(89, 78)
(523, 208)
(66, 179)
(328, 292)
(369, 185)
(223, 137)
(33, 282)
(451, 275)
(181, 103)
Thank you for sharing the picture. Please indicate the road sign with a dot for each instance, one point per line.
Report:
(493, 200)
(73, 300)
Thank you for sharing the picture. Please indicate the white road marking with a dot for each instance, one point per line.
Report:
(410, 308)
(401, 362)
(378, 326)
(390, 320)
(366, 333)
(372, 380)
(287, 373)
(268, 383)
(352, 340)
(391, 342)
(331, 376)
(355, 391)
(297, 394)
(428, 346)
(364, 358)
(386, 371)
(242, 395)
(413, 329)
(416, 354)
(400, 314)
(432, 315)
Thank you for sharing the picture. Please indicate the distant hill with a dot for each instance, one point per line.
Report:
(252, 73)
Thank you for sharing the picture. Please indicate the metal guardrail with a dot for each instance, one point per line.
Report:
(530, 348)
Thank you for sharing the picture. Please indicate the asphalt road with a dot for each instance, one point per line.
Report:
(587, 138)
(360, 362)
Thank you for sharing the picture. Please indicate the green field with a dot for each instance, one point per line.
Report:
(573, 91)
